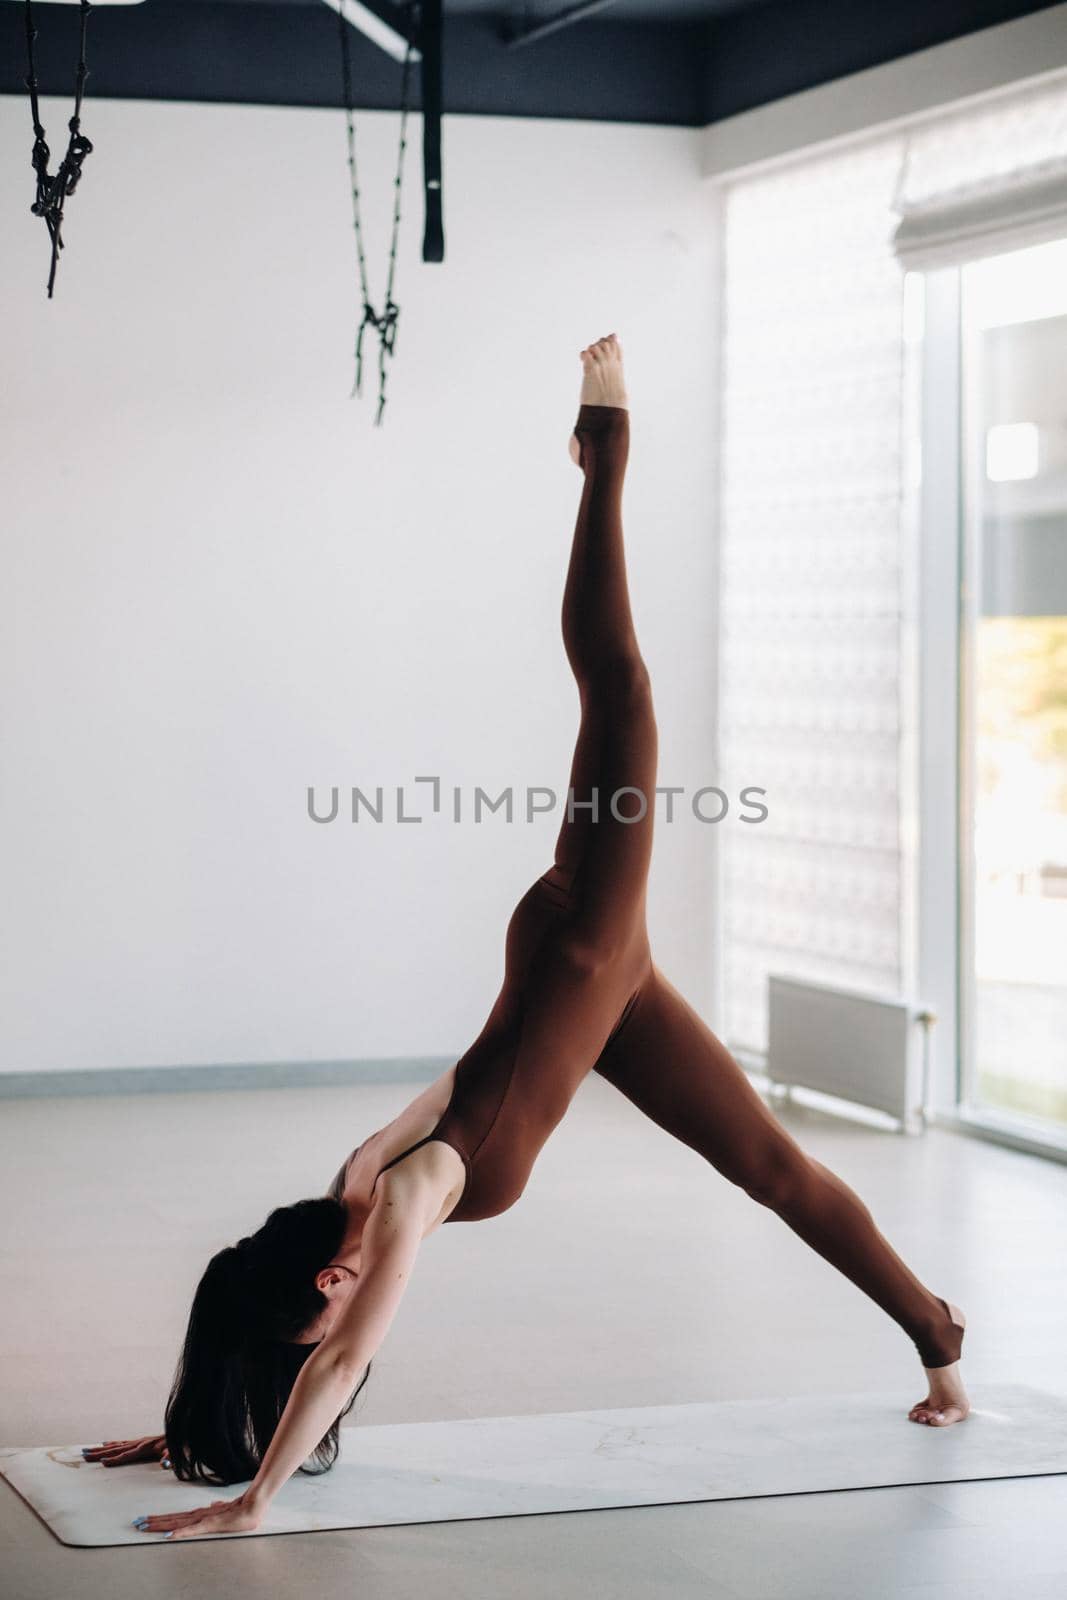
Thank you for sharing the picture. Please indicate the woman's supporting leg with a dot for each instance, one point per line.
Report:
(670, 1064)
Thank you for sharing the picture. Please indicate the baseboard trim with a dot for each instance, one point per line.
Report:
(228, 1075)
(1013, 1134)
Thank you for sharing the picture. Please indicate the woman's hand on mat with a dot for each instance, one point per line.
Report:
(128, 1452)
(222, 1516)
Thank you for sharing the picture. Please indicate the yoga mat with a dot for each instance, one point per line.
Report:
(579, 1461)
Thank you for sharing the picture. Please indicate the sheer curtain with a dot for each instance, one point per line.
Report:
(811, 581)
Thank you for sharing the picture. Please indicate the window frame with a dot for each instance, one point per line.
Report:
(945, 609)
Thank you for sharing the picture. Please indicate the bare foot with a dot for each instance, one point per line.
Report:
(603, 383)
(946, 1399)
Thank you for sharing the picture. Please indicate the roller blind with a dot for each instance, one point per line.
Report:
(985, 180)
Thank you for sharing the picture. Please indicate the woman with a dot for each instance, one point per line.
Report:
(285, 1324)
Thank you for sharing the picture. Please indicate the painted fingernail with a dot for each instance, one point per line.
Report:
(138, 1522)
(168, 1535)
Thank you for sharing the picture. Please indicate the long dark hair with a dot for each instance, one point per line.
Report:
(239, 1362)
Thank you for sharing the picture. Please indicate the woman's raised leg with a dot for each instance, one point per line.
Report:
(605, 842)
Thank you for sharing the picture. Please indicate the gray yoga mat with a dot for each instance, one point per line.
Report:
(579, 1461)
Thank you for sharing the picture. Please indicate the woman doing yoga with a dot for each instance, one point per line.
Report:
(284, 1324)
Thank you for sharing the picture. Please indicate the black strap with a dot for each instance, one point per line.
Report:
(52, 190)
(417, 1146)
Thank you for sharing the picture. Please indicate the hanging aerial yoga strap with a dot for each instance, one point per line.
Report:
(384, 322)
(52, 191)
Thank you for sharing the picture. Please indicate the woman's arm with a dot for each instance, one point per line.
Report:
(391, 1239)
(404, 1204)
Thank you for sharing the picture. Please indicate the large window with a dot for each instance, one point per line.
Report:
(1013, 701)
(893, 604)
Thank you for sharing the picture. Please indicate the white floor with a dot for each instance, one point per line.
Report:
(629, 1274)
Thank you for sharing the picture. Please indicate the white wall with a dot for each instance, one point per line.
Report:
(221, 583)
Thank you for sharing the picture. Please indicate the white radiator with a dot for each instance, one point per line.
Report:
(858, 1047)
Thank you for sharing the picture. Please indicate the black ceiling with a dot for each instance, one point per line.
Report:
(683, 62)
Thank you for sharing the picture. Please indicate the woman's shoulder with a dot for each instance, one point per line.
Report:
(355, 1179)
(337, 1186)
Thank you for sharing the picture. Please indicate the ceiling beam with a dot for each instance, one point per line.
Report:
(515, 36)
(383, 24)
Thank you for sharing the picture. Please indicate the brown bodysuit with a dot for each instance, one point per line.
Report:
(580, 991)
